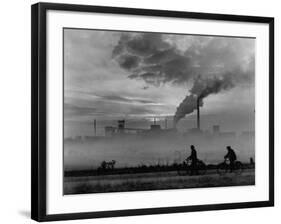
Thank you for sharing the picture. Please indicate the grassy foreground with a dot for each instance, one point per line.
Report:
(152, 181)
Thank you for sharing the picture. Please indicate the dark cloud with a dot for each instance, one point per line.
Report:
(211, 64)
(128, 61)
(160, 56)
(156, 59)
(148, 57)
(145, 44)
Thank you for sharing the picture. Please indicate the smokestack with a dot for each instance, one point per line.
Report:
(198, 113)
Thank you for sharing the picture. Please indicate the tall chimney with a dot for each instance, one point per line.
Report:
(198, 113)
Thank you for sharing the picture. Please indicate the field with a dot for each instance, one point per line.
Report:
(154, 181)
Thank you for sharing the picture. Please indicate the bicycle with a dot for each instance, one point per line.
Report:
(186, 168)
(224, 167)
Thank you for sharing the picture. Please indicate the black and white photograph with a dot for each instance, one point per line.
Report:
(139, 111)
(157, 111)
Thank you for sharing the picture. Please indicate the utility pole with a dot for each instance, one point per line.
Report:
(198, 113)
(95, 127)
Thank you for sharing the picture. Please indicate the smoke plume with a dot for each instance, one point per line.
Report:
(201, 89)
(187, 106)
(208, 64)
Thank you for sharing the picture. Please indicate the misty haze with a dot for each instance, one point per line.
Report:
(152, 111)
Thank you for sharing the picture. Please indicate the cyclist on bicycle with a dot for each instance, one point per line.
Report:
(193, 159)
(231, 156)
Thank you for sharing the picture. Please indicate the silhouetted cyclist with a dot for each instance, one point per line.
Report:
(231, 156)
(193, 159)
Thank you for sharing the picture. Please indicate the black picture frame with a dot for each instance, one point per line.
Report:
(39, 107)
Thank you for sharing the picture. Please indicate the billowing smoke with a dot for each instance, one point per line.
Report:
(208, 64)
(187, 106)
(201, 89)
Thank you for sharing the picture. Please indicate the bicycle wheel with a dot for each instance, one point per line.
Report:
(238, 167)
(183, 170)
(202, 168)
(222, 169)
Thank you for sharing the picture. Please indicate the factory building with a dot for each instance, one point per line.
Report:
(121, 130)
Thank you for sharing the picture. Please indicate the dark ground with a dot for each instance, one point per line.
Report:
(154, 181)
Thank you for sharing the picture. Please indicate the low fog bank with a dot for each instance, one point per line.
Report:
(129, 152)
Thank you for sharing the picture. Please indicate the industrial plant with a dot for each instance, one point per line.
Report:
(120, 130)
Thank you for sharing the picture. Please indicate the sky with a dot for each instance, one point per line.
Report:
(111, 75)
